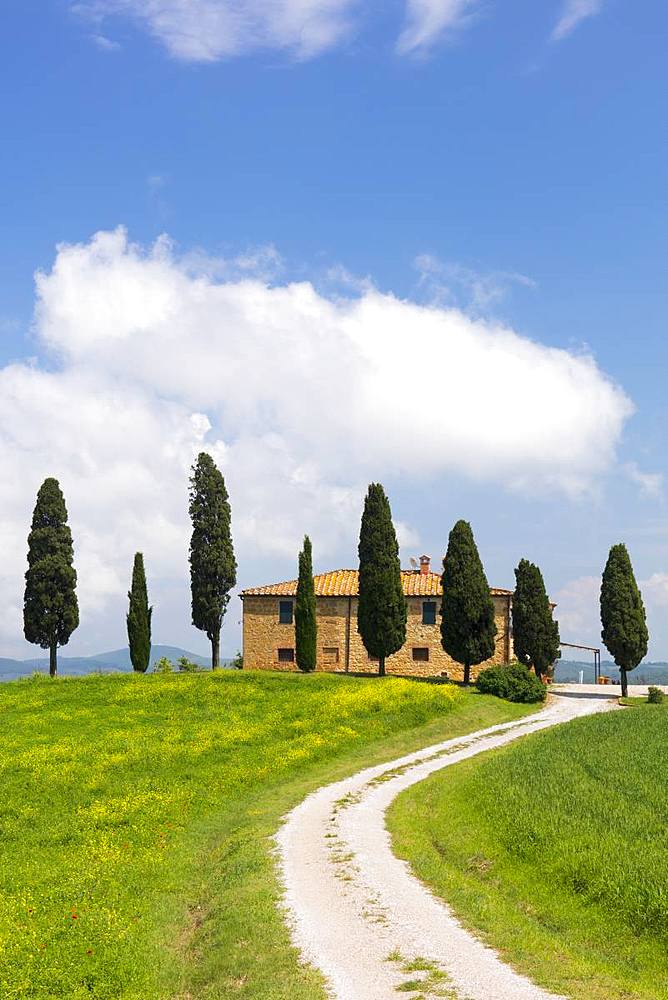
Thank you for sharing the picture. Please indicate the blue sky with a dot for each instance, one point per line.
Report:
(497, 165)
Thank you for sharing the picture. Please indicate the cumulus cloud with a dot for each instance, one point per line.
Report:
(301, 398)
(572, 14)
(334, 378)
(208, 30)
(428, 21)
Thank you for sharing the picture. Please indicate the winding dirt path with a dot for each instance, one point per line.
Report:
(355, 910)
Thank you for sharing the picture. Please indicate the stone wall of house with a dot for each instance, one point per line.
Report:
(340, 646)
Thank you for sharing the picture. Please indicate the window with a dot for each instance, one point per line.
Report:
(286, 656)
(330, 655)
(421, 653)
(285, 612)
(429, 613)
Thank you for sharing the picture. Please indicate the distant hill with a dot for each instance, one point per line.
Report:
(116, 660)
(119, 660)
(647, 673)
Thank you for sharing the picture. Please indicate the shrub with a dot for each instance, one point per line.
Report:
(238, 662)
(187, 666)
(655, 696)
(513, 681)
(163, 666)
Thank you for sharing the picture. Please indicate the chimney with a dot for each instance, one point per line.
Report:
(425, 563)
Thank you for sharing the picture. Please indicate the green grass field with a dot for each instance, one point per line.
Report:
(555, 850)
(136, 812)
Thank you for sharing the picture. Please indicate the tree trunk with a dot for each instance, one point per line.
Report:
(381, 666)
(53, 662)
(625, 686)
(215, 652)
(467, 674)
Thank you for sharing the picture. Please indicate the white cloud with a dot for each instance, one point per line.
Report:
(256, 356)
(577, 612)
(211, 30)
(450, 283)
(650, 483)
(104, 43)
(208, 30)
(655, 590)
(428, 21)
(302, 399)
(572, 13)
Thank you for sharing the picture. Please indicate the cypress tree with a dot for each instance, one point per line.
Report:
(535, 632)
(213, 568)
(50, 609)
(306, 629)
(139, 618)
(624, 629)
(382, 610)
(467, 609)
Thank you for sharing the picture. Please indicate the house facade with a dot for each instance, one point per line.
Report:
(269, 630)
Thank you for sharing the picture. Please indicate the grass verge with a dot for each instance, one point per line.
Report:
(555, 852)
(135, 816)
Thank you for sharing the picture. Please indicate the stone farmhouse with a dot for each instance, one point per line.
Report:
(269, 631)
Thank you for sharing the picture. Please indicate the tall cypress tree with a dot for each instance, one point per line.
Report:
(306, 629)
(382, 610)
(624, 629)
(467, 610)
(535, 632)
(213, 568)
(139, 618)
(50, 609)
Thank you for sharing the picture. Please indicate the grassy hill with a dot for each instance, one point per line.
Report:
(136, 811)
(556, 849)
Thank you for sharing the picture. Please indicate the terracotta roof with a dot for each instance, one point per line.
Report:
(345, 583)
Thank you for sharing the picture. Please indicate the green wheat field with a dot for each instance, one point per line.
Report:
(556, 850)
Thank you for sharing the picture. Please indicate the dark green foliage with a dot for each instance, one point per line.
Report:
(213, 568)
(535, 632)
(624, 629)
(467, 610)
(382, 610)
(655, 695)
(50, 609)
(238, 662)
(139, 618)
(306, 628)
(512, 681)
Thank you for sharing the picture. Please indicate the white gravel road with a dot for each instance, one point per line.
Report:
(355, 910)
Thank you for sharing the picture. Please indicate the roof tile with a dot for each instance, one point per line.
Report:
(345, 583)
